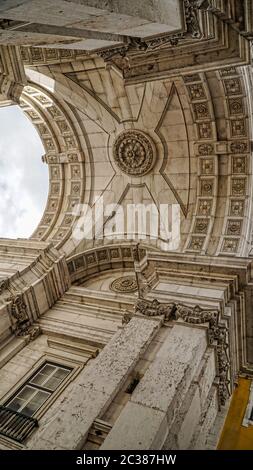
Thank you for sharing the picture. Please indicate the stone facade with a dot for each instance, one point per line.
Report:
(134, 112)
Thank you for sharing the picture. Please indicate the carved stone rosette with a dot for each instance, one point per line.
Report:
(134, 152)
(124, 285)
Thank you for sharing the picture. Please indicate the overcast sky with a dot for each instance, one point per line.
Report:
(23, 176)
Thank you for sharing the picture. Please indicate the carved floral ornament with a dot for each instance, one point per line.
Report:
(125, 285)
(217, 332)
(134, 152)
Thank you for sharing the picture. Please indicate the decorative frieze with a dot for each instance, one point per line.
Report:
(237, 128)
(217, 332)
(154, 308)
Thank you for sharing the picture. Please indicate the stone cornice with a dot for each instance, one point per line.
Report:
(217, 330)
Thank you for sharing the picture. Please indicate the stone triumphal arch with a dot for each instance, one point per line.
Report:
(117, 343)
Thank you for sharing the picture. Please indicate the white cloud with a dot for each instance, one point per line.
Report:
(23, 176)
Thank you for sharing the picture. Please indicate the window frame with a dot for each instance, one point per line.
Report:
(76, 367)
(28, 383)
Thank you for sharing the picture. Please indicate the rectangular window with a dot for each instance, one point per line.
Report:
(18, 414)
(38, 389)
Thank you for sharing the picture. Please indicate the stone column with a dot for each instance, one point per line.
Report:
(68, 425)
(147, 418)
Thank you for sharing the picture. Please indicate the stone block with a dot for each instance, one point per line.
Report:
(138, 427)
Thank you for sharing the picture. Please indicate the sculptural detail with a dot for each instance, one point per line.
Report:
(134, 152)
(217, 333)
(124, 285)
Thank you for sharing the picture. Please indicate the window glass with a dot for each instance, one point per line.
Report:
(38, 389)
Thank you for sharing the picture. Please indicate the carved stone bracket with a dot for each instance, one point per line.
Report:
(18, 308)
(23, 326)
(4, 283)
(217, 333)
(154, 308)
(30, 332)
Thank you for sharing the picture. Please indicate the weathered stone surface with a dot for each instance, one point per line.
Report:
(172, 371)
(144, 428)
(95, 388)
(163, 388)
(207, 420)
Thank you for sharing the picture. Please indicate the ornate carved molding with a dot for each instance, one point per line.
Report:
(217, 337)
(155, 308)
(196, 315)
(193, 30)
(217, 333)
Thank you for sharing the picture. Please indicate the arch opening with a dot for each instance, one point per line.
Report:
(24, 180)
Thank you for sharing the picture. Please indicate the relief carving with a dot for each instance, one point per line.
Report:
(134, 152)
(4, 283)
(217, 332)
(124, 285)
(154, 308)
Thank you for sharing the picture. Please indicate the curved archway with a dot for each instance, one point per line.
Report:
(23, 179)
(65, 159)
